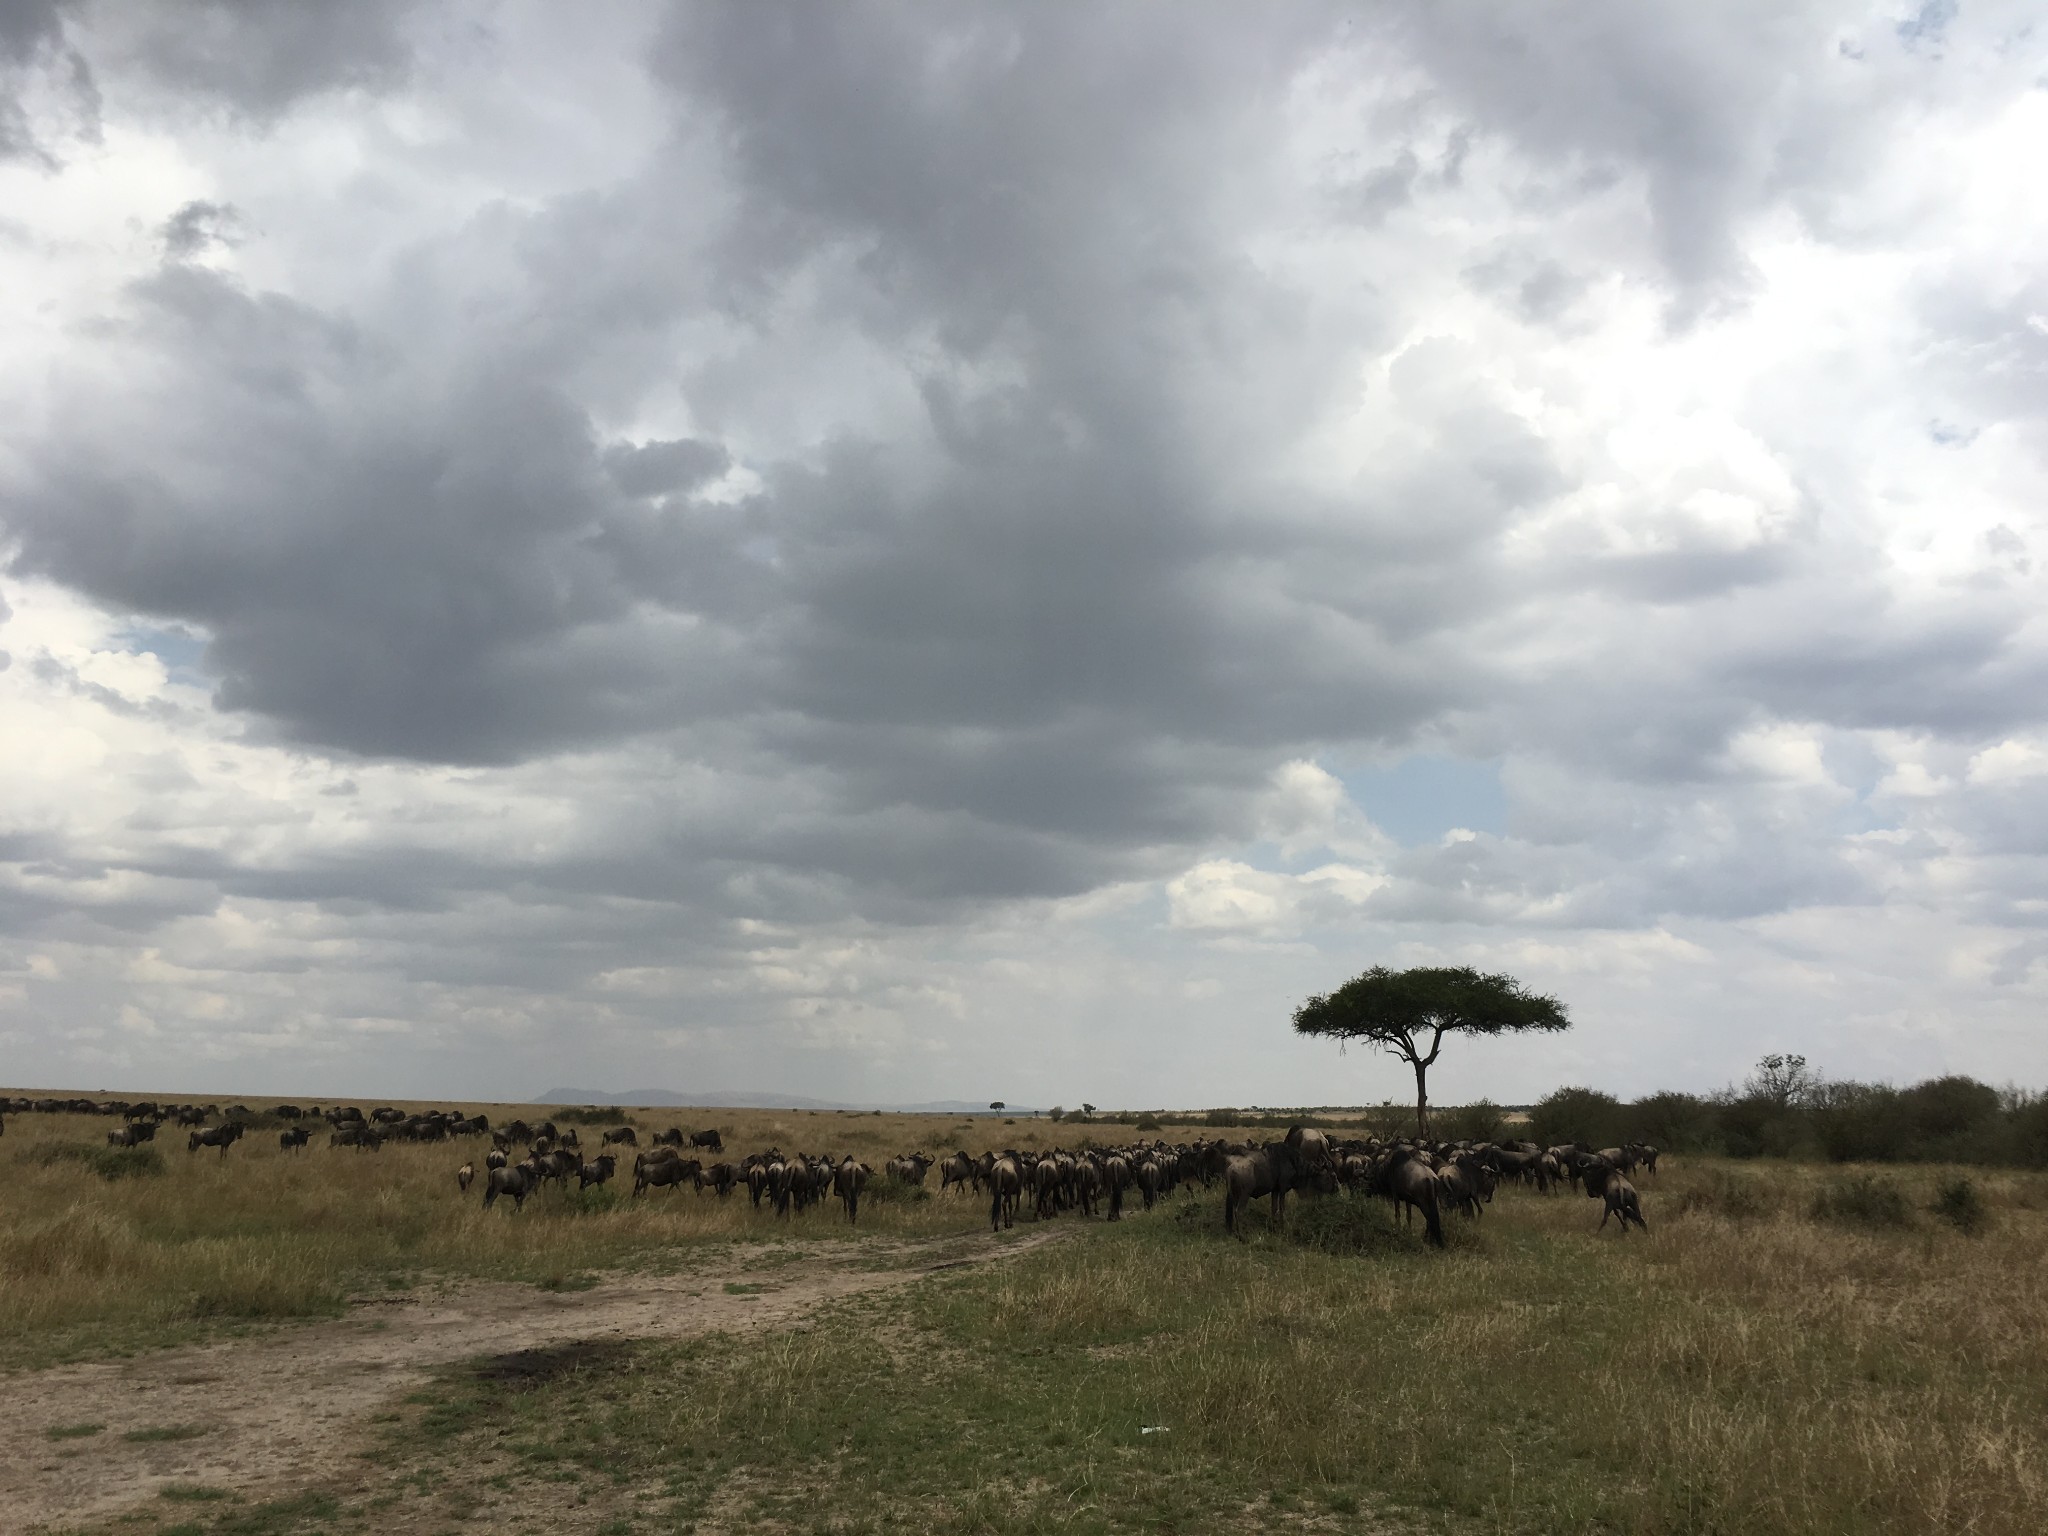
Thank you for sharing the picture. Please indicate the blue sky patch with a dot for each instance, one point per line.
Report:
(1420, 798)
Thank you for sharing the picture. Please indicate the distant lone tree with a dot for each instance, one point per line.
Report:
(1410, 1012)
(995, 1104)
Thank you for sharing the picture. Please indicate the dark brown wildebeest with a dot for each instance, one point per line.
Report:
(848, 1180)
(910, 1168)
(1608, 1183)
(959, 1169)
(596, 1172)
(133, 1134)
(1005, 1179)
(708, 1140)
(1465, 1184)
(464, 1176)
(292, 1138)
(517, 1180)
(720, 1176)
(1412, 1185)
(357, 1134)
(672, 1137)
(1288, 1164)
(621, 1136)
(222, 1136)
(665, 1171)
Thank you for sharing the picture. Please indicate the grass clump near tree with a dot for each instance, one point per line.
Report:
(110, 1163)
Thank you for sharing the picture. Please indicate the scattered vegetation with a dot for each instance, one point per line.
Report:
(1864, 1200)
(1957, 1202)
(72, 1431)
(1787, 1110)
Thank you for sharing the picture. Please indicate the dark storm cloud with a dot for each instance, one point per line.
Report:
(197, 226)
(260, 57)
(1030, 601)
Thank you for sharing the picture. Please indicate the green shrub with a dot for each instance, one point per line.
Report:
(1957, 1202)
(1480, 1120)
(1863, 1201)
(1360, 1227)
(1578, 1114)
(1147, 1123)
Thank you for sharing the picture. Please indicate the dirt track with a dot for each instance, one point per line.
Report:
(286, 1408)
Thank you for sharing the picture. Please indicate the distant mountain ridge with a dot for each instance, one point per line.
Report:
(663, 1098)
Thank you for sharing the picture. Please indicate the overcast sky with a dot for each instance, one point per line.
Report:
(909, 551)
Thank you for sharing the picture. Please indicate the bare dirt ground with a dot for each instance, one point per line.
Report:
(288, 1408)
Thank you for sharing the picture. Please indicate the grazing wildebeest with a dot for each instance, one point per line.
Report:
(622, 1136)
(133, 1134)
(222, 1136)
(672, 1137)
(293, 1137)
(516, 1179)
(596, 1172)
(708, 1140)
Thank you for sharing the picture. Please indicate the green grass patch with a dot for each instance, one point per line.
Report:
(193, 1493)
(110, 1163)
(72, 1431)
(164, 1434)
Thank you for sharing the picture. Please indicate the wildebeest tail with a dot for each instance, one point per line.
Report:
(1432, 1223)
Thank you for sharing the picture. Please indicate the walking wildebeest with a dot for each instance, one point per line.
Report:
(1606, 1182)
(517, 1180)
(222, 1136)
(595, 1172)
(708, 1140)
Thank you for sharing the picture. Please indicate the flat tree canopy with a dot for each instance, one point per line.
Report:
(1410, 1012)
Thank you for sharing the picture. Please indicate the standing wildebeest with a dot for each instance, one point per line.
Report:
(708, 1140)
(292, 1138)
(464, 1175)
(665, 1171)
(1412, 1185)
(222, 1136)
(848, 1180)
(133, 1134)
(595, 1172)
(1288, 1164)
(1005, 1179)
(516, 1179)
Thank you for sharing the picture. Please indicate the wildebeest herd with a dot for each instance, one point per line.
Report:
(1418, 1177)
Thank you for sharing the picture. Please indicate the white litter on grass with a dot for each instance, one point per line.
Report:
(1154, 1429)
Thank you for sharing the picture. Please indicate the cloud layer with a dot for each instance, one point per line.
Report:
(768, 548)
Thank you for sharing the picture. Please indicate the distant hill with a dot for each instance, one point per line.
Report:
(663, 1098)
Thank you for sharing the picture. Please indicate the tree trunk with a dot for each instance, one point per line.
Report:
(1422, 1100)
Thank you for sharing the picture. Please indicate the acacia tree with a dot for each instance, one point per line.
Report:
(1409, 1012)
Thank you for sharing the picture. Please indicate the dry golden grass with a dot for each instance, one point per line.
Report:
(92, 1265)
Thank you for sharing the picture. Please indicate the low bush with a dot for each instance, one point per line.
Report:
(1957, 1202)
(1863, 1201)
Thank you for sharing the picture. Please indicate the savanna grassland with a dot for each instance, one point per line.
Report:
(1791, 1348)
